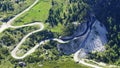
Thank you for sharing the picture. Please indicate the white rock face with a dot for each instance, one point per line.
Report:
(97, 38)
(93, 40)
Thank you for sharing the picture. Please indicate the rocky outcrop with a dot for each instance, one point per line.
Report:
(93, 40)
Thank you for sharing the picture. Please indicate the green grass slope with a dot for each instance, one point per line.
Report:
(38, 13)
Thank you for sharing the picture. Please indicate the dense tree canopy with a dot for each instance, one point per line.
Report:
(67, 11)
(108, 13)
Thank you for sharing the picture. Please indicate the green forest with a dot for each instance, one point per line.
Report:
(107, 12)
(58, 20)
(9, 8)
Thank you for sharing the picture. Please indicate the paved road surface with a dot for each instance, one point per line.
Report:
(13, 53)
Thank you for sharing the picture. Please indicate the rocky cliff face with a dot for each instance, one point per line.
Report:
(93, 40)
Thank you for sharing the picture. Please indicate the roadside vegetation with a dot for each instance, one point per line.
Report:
(0, 23)
(9, 8)
(45, 54)
(11, 37)
(58, 17)
(39, 12)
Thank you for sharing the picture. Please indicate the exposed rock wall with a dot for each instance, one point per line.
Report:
(93, 40)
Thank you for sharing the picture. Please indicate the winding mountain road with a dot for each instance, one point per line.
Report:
(13, 52)
(82, 61)
(76, 54)
(87, 31)
(9, 25)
